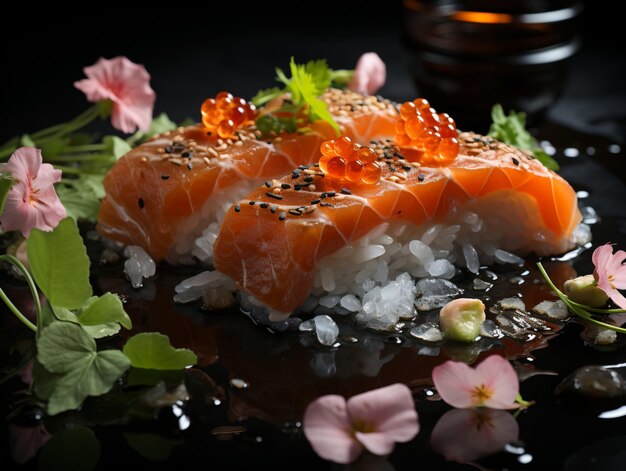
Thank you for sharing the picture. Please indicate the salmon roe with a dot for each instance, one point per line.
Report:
(421, 127)
(345, 160)
(226, 113)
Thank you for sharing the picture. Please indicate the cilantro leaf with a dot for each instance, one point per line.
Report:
(59, 264)
(304, 90)
(152, 350)
(66, 349)
(511, 130)
(81, 196)
(116, 146)
(102, 310)
(320, 74)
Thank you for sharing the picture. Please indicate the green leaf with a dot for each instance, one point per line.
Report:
(268, 94)
(6, 182)
(60, 265)
(104, 108)
(116, 146)
(320, 75)
(152, 350)
(341, 77)
(511, 130)
(96, 331)
(73, 449)
(44, 382)
(151, 446)
(161, 124)
(67, 349)
(81, 196)
(103, 310)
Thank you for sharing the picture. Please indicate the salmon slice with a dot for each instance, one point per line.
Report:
(160, 195)
(272, 244)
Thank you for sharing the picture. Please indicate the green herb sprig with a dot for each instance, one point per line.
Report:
(584, 312)
(307, 82)
(511, 130)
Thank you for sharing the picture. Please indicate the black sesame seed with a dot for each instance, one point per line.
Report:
(237, 208)
(330, 194)
(315, 201)
(420, 177)
(169, 149)
(345, 191)
(251, 203)
(285, 186)
(406, 168)
(165, 177)
(515, 161)
(392, 168)
(273, 208)
(323, 195)
(308, 180)
(141, 203)
(295, 175)
(295, 212)
(273, 195)
(304, 167)
(316, 165)
(297, 187)
(326, 204)
(268, 184)
(264, 205)
(282, 216)
(186, 154)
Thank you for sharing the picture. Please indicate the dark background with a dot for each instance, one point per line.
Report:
(194, 51)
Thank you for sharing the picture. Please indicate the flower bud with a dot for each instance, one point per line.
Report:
(460, 319)
(583, 290)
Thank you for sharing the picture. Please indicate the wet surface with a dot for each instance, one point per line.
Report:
(241, 406)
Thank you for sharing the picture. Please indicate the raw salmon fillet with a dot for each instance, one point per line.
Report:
(158, 196)
(271, 241)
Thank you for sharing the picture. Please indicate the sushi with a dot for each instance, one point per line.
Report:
(170, 194)
(344, 243)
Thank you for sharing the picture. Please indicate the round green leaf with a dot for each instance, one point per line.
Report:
(152, 350)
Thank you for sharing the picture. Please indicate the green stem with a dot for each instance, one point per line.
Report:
(53, 132)
(84, 148)
(70, 170)
(17, 312)
(29, 280)
(579, 311)
(81, 158)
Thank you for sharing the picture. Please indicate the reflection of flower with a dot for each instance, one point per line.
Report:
(610, 272)
(369, 75)
(493, 383)
(465, 435)
(32, 202)
(26, 441)
(339, 430)
(127, 85)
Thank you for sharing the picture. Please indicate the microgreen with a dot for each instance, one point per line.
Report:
(306, 83)
(151, 350)
(511, 130)
(6, 182)
(584, 312)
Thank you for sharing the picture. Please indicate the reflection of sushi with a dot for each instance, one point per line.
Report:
(283, 243)
(163, 194)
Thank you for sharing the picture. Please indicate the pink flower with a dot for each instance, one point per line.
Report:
(610, 272)
(465, 435)
(127, 85)
(493, 383)
(339, 430)
(32, 201)
(26, 441)
(369, 75)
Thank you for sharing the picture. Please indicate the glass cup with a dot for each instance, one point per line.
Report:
(469, 55)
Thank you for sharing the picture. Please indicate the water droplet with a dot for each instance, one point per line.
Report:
(525, 458)
(614, 149)
(239, 383)
(591, 150)
(582, 194)
(571, 152)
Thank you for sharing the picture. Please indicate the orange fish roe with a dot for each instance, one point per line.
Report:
(345, 160)
(226, 113)
(421, 127)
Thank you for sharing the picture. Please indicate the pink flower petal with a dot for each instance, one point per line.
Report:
(376, 443)
(127, 85)
(617, 298)
(32, 202)
(370, 74)
(389, 411)
(465, 435)
(601, 255)
(328, 429)
(499, 376)
(610, 272)
(455, 382)
(26, 441)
